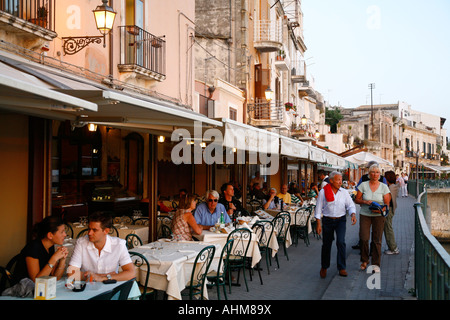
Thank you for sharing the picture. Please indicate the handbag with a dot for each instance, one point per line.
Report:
(375, 206)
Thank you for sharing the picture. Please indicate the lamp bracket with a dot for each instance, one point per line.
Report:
(72, 45)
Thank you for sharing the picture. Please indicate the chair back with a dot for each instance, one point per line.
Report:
(162, 221)
(166, 232)
(68, 229)
(302, 217)
(200, 270)
(281, 225)
(140, 261)
(113, 232)
(82, 233)
(132, 240)
(224, 257)
(264, 230)
(242, 238)
(118, 293)
(7, 273)
(141, 222)
(254, 204)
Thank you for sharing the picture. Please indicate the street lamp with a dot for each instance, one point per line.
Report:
(104, 20)
(304, 120)
(269, 94)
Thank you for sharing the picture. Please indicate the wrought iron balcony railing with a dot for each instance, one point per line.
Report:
(266, 114)
(38, 12)
(142, 52)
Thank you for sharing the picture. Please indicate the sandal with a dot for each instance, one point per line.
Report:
(364, 265)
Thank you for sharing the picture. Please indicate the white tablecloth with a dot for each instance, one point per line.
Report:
(124, 230)
(221, 239)
(62, 293)
(171, 264)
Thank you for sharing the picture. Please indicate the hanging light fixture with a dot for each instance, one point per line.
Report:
(92, 127)
(161, 139)
(304, 120)
(269, 94)
(104, 20)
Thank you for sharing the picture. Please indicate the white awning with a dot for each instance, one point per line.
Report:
(317, 155)
(244, 137)
(23, 93)
(363, 158)
(294, 148)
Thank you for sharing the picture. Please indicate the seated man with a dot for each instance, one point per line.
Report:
(284, 195)
(272, 201)
(207, 214)
(98, 256)
(229, 201)
(257, 192)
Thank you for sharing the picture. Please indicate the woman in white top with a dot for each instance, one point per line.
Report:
(368, 192)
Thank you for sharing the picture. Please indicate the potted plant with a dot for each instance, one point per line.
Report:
(289, 106)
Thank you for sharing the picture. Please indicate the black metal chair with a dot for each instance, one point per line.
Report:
(300, 226)
(282, 235)
(132, 240)
(118, 293)
(140, 261)
(219, 277)
(166, 232)
(196, 285)
(113, 232)
(163, 221)
(7, 279)
(258, 230)
(264, 240)
(254, 205)
(82, 233)
(237, 261)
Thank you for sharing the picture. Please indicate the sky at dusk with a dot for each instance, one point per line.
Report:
(402, 46)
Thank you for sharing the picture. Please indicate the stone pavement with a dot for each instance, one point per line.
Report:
(298, 278)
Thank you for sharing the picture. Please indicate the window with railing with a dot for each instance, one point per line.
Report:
(142, 52)
(38, 12)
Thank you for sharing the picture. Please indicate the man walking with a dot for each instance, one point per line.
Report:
(333, 203)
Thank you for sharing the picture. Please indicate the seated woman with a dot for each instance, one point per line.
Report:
(313, 191)
(39, 257)
(183, 221)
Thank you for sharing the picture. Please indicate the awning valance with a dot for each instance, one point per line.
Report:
(244, 137)
(294, 148)
(317, 155)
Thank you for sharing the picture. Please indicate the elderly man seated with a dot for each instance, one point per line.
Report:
(272, 200)
(284, 195)
(207, 214)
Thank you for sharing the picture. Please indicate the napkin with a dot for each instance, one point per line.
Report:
(124, 227)
(254, 220)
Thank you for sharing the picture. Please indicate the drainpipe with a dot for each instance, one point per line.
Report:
(111, 48)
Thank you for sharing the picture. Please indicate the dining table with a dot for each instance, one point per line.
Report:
(300, 220)
(214, 237)
(171, 264)
(91, 291)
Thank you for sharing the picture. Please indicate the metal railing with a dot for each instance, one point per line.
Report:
(140, 48)
(432, 262)
(266, 110)
(38, 12)
(268, 30)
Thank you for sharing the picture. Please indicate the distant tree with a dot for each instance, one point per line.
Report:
(332, 118)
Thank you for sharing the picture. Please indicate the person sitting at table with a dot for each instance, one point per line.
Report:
(161, 207)
(207, 214)
(183, 222)
(284, 195)
(98, 256)
(313, 191)
(257, 192)
(229, 201)
(272, 200)
(39, 257)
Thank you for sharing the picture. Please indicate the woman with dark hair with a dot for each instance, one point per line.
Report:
(39, 257)
(183, 221)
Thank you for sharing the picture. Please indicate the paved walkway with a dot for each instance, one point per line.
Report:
(298, 278)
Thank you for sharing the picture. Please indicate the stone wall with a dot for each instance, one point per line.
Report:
(439, 202)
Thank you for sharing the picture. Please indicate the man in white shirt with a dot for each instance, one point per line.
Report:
(98, 256)
(333, 203)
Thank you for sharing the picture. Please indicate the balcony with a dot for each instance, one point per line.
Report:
(268, 36)
(282, 62)
(29, 17)
(142, 53)
(298, 72)
(265, 115)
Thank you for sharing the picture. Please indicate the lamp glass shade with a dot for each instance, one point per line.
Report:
(304, 120)
(269, 94)
(104, 18)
